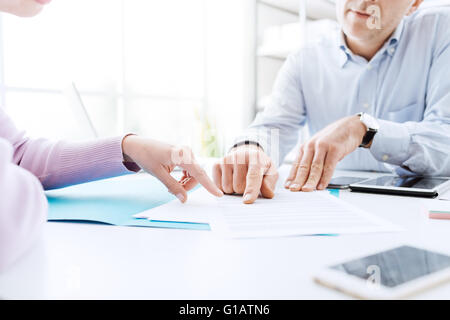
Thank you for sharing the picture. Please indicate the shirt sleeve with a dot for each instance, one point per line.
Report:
(423, 147)
(276, 129)
(60, 164)
(23, 207)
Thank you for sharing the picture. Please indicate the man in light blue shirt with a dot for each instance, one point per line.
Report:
(375, 95)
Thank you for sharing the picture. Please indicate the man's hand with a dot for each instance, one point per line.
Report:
(318, 158)
(159, 159)
(246, 170)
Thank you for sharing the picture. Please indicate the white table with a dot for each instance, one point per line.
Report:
(98, 261)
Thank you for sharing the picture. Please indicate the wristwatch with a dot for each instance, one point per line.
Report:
(246, 142)
(372, 128)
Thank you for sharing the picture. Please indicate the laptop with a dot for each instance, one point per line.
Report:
(84, 122)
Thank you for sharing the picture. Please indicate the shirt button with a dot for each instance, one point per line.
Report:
(366, 105)
(369, 67)
(385, 158)
(391, 50)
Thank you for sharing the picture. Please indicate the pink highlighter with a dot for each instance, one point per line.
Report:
(439, 215)
(440, 211)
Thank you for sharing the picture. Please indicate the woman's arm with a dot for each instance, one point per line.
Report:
(23, 207)
(60, 164)
(27, 165)
(66, 163)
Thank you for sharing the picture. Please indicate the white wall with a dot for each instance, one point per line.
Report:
(230, 65)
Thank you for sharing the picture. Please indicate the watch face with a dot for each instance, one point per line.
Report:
(370, 122)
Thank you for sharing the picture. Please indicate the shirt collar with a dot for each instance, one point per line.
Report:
(345, 52)
(394, 39)
(389, 46)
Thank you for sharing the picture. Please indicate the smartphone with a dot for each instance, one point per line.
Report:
(344, 182)
(393, 274)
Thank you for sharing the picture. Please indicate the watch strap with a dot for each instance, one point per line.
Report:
(370, 134)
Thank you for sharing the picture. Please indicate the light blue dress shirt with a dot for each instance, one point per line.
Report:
(406, 86)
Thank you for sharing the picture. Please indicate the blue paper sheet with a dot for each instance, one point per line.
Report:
(334, 192)
(114, 201)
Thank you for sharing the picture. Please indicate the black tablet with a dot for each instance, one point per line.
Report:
(429, 187)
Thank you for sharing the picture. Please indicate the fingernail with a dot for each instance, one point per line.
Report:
(287, 184)
(321, 187)
(180, 197)
(295, 187)
(247, 197)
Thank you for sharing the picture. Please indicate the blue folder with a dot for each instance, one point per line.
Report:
(114, 202)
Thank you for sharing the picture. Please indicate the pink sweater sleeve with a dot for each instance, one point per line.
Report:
(23, 206)
(60, 164)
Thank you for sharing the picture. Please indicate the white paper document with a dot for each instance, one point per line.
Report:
(288, 214)
(291, 214)
(200, 208)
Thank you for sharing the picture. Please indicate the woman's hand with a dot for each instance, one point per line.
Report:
(159, 159)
